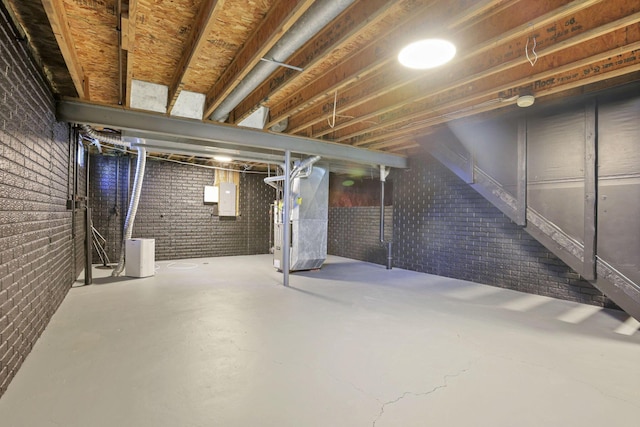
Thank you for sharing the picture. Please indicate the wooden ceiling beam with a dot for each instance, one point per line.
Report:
(129, 34)
(373, 57)
(594, 36)
(315, 115)
(344, 30)
(488, 11)
(278, 21)
(202, 26)
(426, 128)
(57, 15)
(392, 143)
(596, 68)
(403, 147)
(412, 90)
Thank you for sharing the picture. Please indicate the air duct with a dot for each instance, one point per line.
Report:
(133, 207)
(311, 22)
(103, 136)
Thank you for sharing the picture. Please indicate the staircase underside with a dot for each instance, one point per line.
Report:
(570, 175)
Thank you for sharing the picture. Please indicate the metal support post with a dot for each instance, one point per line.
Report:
(383, 177)
(286, 221)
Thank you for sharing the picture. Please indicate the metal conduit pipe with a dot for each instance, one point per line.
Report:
(305, 164)
(272, 179)
(383, 177)
(133, 207)
(297, 170)
(311, 22)
(102, 136)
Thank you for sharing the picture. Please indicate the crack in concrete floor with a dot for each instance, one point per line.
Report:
(420, 394)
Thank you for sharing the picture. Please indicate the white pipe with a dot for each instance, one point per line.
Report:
(311, 22)
(133, 207)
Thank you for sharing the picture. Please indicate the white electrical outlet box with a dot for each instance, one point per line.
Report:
(210, 194)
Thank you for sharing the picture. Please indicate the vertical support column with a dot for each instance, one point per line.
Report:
(286, 220)
(590, 190)
(383, 177)
(521, 190)
(88, 274)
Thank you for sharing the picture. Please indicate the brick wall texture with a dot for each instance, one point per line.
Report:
(354, 232)
(36, 239)
(442, 226)
(172, 210)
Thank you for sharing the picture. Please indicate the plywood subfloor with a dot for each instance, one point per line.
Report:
(219, 342)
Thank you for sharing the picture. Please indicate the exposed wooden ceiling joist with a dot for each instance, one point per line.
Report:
(367, 103)
(344, 30)
(276, 23)
(197, 39)
(60, 26)
(129, 33)
(208, 46)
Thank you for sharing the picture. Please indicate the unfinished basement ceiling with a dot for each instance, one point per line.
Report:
(349, 87)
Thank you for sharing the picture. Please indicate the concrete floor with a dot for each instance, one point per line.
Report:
(218, 342)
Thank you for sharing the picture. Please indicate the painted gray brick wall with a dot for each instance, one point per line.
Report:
(36, 243)
(354, 232)
(172, 211)
(442, 226)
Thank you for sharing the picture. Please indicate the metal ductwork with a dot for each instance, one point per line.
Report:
(316, 18)
(133, 208)
(102, 136)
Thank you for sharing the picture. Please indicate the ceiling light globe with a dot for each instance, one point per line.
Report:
(428, 53)
(222, 159)
(524, 101)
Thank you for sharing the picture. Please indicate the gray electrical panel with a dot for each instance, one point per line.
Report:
(227, 199)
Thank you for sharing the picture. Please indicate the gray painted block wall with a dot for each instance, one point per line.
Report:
(172, 210)
(36, 238)
(442, 226)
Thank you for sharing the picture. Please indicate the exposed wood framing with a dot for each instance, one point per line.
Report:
(197, 38)
(404, 92)
(416, 122)
(129, 33)
(371, 59)
(60, 26)
(275, 24)
(335, 36)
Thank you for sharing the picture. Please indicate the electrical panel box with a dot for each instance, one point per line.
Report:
(227, 199)
(140, 257)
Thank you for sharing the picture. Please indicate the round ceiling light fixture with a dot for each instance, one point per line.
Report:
(428, 53)
(525, 100)
(222, 159)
